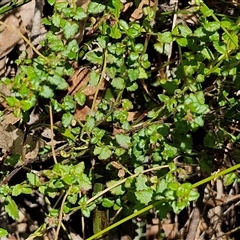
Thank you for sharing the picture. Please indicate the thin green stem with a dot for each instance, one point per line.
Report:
(216, 175)
(208, 179)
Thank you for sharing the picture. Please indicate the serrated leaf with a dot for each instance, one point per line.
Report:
(229, 178)
(67, 119)
(182, 42)
(169, 151)
(95, 8)
(33, 179)
(212, 26)
(144, 196)
(58, 81)
(86, 212)
(80, 98)
(27, 104)
(46, 92)
(3, 232)
(185, 30)
(163, 98)
(68, 103)
(159, 47)
(94, 78)
(103, 153)
(117, 190)
(123, 140)
(84, 182)
(72, 198)
(193, 195)
(94, 57)
(117, 4)
(79, 14)
(107, 203)
(56, 20)
(207, 12)
(220, 47)
(118, 83)
(51, 2)
(165, 37)
(141, 181)
(207, 53)
(142, 73)
(115, 32)
(70, 30)
(133, 74)
(11, 208)
(90, 123)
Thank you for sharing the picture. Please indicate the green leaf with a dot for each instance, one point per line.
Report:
(51, 2)
(54, 43)
(58, 81)
(94, 78)
(220, 47)
(46, 92)
(161, 186)
(70, 30)
(209, 140)
(56, 20)
(212, 26)
(72, 198)
(144, 196)
(27, 104)
(84, 182)
(185, 30)
(21, 189)
(11, 208)
(68, 103)
(142, 73)
(207, 53)
(123, 140)
(127, 104)
(90, 123)
(67, 119)
(169, 151)
(165, 37)
(103, 153)
(229, 178)
(141, 181)
(107, 203)
(117, 4)
(79, 14)
(86, 212)
(115, 32)
(163, 98)
(182, 42)
(94, 57)
(118, 83)
(207, 12)
(159, 47)
(3, 232)
(95, 8)
(33, 179)
(193, 195)
(123, 25)
(117, 190)
(80, 98)
(133, 74)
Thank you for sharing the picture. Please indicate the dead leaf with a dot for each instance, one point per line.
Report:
(80, 82)
(138, 13)
(12, 140)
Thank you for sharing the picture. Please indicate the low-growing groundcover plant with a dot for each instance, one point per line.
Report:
(161, 118)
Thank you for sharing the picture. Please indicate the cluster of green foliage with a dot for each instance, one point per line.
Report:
(134, 166)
